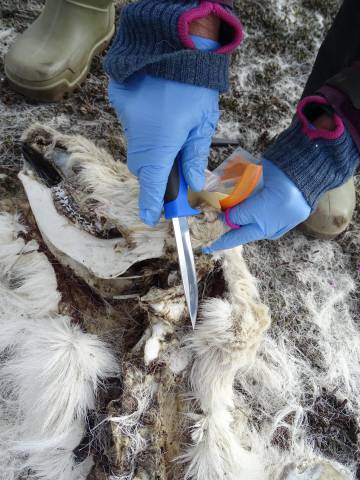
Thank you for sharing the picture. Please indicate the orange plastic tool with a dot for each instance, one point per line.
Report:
(246, 177)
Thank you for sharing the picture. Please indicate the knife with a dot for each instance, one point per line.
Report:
(177, 208)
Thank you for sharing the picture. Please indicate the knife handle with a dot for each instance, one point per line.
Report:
(176, 202)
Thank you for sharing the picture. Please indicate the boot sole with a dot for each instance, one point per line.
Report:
(55, 89)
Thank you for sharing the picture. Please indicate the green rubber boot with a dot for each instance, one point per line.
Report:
(333, 214)
(54, 54)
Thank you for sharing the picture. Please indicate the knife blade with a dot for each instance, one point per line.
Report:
(187, 265)
(177, 209)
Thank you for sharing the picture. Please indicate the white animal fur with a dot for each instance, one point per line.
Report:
(50, 370)
(68, 366)
(226, 340)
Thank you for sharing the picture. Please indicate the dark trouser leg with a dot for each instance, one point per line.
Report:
(339, 49)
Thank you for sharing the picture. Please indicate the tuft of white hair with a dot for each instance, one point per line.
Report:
(50, 380)
(139, 391)
(55, 374)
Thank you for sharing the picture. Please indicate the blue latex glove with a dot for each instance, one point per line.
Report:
(160, 118)
(268, 214)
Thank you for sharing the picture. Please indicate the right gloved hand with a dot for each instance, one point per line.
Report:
(161, 118)
(268, 214)
(309, 158)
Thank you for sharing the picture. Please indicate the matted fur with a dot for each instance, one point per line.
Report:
(27, 280)
(310, 354)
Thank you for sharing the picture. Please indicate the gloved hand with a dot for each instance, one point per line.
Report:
(160, 118)
(268, 214)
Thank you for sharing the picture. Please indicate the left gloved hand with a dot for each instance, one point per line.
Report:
(269, 214)
(161, 118)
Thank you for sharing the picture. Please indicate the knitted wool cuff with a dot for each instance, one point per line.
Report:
(153, 37)
(343, 93)
(315, 160)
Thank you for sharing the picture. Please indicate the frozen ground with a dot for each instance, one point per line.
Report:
(311, 286)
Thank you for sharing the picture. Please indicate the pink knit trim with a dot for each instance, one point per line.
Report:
(233, 226)
(203, 10)
(315, 133)
(229, 3)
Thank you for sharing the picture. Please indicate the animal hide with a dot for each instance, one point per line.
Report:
(230, 400)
